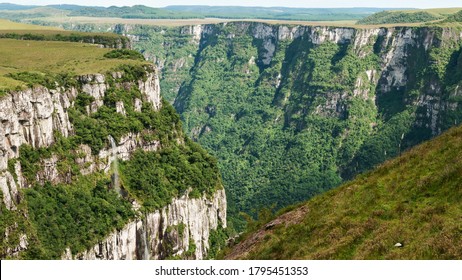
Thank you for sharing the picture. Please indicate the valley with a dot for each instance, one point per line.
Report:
(295, 118)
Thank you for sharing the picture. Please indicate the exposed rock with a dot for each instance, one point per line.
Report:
(32, 116)
(9, 190)
(286, 33)
(120, 108)
(22, 245)
(49, 172)
(86, 161)
(199, 215)
(319, 35)
(151, 89)
(95, 86)
(138, 105)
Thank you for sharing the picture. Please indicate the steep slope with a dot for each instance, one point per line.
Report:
(415, 200)
(291, 111)
(64, 193)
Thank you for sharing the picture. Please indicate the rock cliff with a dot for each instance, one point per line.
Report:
(168, 232)
(33, 117)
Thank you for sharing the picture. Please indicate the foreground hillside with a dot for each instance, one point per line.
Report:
(415, 200)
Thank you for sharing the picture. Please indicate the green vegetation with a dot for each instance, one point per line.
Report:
(154, 178)
(217, 241)
(20, 31)
(404, 17)
(457, 17)
(10, 25)
(187, 12)
(75, 215)
(105, 40)
(414, 200)
(299, 125)
(391, 17)
(25, 63)
(125, 54)
(171, 46)
(77, 211)
(137, 11)
(79, 214)
(274, 154)
(279, 13)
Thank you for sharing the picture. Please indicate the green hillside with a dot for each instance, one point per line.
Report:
(415, 200)
(47, 52)
(410, 16)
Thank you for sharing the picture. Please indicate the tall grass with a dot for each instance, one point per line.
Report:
(415, 199)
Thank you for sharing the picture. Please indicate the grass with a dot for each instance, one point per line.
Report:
(444, 11)
(415, 200)
(10, 25)
(416, 17)
(50, 57)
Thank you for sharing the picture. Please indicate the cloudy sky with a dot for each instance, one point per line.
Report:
(264, 3)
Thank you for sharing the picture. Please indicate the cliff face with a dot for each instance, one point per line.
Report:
(342, 100)
(33, 118)
(175, 230)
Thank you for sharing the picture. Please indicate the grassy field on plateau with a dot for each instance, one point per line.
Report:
(50, 57)
(10, 25)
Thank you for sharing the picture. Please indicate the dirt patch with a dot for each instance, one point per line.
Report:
(241, 250)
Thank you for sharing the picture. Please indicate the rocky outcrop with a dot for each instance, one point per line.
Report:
(150, 88)
(165, 233)
(33, 116)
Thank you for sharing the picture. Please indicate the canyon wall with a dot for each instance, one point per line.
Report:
(33, 117)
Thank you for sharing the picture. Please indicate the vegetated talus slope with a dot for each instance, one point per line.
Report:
(415, 200)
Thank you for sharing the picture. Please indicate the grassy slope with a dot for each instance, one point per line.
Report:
(49, 57)
(415, 199)
(10, 25)
(56, 57)
(406, 17)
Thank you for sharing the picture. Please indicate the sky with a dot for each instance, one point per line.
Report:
(262, 3)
